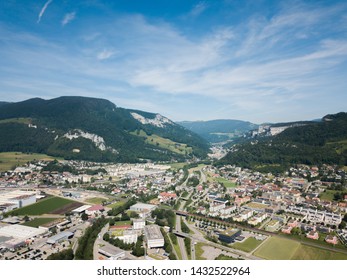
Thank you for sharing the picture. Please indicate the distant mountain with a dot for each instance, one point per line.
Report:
(216, 131)
(3, 103)
(313, 143)
(94, 129)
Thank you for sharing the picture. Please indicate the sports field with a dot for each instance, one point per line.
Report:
(276, 248)
(46, 206)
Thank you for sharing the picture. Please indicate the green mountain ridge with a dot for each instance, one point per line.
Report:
(312, 144)
(90, 129)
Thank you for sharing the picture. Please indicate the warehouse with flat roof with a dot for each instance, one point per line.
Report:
(61, 236)
(21, 232)
(153, 236)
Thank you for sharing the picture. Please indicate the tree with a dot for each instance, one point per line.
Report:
(84, 217)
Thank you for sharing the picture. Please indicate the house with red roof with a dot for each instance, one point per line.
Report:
(95, 209)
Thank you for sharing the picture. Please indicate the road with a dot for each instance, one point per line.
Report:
(99, 241)
(180, 239)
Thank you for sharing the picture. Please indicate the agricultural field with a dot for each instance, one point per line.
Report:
(276, 248)
(38, 222)
(50, 205)
(10, 160)
(248, 245)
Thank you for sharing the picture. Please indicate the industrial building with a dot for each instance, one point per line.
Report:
(153, 236)
(10, 200)
(143, 209)
(15, 236)
(111, 252)
(229, 235)
(139, 223)
(64, 235)
(81, 209)
(21, 232)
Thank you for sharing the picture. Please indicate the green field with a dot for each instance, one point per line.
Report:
(276, 248)
(44, 206)
(11, 160)
(225, 182)
(311, 253)
(116, 204)
(328, 195)
(122, 223)
(38, 222)
(248, 245)
(177, 165)
(96, 200)
(164, 143)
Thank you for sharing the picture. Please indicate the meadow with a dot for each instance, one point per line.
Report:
(45, 206)
(276, 248)
(10, 160)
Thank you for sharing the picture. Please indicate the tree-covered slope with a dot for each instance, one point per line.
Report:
(90, 129)
(314, 143)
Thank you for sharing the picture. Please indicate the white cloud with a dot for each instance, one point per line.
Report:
(198, 9)
(105, 54)
(45, 6)
(68, 18)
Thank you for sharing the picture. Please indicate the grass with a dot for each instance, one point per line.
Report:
(305, 252)
(10, 160)
(44, 206)
(122, 223)
(177, 165)
(96, 200)
(225, 182)
(164, 143)
(222, 257)
(117, 204)
(199, 251)
(38, 222)
(328, 195)
(276, 248)
(248, 245)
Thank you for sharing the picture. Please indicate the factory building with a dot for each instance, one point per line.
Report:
(10, 200)
(64, 235)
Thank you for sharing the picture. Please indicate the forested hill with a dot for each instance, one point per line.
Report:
(314, 143)
(216, 131)
(94, 129)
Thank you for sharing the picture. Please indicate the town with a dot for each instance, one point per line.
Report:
(56, 209)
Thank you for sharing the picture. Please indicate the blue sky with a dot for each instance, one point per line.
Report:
(261, 61)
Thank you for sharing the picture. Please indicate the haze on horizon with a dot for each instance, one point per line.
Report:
(269, 61)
